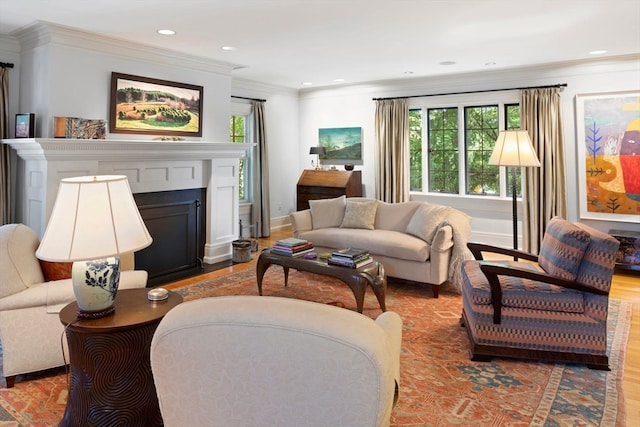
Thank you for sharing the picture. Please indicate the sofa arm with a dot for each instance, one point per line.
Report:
(300, 222)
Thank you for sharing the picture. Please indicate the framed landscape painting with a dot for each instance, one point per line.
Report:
(342, 145)
(608, 137)
(145, 105)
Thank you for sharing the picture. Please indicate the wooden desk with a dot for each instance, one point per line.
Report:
(327, 184)
(110, 380)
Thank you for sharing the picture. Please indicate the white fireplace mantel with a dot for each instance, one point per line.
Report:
(149, 165)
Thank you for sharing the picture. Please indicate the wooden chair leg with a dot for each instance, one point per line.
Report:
(10, 381)
(436, 290)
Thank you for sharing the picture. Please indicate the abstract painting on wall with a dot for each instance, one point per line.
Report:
(608, 137)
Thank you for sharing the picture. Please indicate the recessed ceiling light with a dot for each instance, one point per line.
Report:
(490, 64)
(597, 52)
(338, 80)
(307, 83)
(447, 63)
(166, 32)
(229, 48)
(408, 73)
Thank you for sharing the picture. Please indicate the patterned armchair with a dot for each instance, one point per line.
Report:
(551, 307)
(30, 327)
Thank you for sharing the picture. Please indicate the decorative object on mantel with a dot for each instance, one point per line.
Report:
(168, 138)
(94, 220)
(318, 151)
(342, 145)
(144, 105)
(25, 125)
(77, 128)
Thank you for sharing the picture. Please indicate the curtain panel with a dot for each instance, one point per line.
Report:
(392, 153)
(5, 150)
(260, 211)
(544, 190)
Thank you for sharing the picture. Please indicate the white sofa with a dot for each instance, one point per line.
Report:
(271, 361)
(30, 327)
(415, 241)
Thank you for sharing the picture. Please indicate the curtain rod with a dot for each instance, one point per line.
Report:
(472, 91)
(6, 65)
(250, 99)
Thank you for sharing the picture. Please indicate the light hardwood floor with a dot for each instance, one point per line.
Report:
(626, 286)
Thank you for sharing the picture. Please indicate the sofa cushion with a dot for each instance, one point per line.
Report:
(327, 212)
(426, 220)
(598, 262)
(518, 292)
(392, 244)
(562, 248)
(359, 214)
(56, 270)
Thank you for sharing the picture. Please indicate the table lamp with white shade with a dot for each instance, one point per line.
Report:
(514, 149)
(94, 220)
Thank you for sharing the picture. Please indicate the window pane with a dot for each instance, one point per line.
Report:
(415, 150)
(237, 132)
(481, 132)
(443, 149)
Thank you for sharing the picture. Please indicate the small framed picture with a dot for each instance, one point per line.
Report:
(25, 125)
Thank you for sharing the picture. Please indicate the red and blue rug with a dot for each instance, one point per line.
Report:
(440, 386)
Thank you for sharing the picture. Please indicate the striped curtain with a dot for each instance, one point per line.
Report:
(5, 150)
(545, 188)
(392, 154)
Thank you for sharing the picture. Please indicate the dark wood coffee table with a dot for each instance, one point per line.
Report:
(356, 278)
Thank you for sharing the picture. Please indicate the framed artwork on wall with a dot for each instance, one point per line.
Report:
(608, 138)
(26, 125)
(342, 145)
(143, 105)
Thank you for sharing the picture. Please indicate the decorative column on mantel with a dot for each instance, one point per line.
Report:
(149, 165)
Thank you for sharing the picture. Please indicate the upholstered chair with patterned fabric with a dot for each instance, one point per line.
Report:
(30, 328)
(272, 361)
(548, 307)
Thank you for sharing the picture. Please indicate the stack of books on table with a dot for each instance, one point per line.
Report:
(350, 257)
(292, 246)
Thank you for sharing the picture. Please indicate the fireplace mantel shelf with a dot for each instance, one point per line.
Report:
(116, 149)
(151, 166)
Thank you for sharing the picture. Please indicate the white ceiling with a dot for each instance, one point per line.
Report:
(287, 42)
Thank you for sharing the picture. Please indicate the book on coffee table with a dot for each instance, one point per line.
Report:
(350, 253)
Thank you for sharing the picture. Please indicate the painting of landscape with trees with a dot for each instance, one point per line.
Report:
(156, 107)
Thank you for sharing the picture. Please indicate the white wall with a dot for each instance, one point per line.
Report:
(71, 77)
(492, 218)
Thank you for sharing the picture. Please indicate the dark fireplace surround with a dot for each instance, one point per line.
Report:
(177, 225)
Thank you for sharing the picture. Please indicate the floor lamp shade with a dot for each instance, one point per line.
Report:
(513, 148)
(94, 219)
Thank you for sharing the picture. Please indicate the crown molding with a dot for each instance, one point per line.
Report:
(9, 45)
(42, 33)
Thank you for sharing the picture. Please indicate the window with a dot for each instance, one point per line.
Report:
(458, 138)
(237, 133)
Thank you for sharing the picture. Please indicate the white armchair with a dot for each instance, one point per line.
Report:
(270, 361)
(30, 328)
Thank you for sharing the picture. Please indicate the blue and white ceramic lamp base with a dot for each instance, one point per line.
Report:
(95, 284)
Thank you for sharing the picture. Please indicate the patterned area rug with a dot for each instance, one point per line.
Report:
(440, 386)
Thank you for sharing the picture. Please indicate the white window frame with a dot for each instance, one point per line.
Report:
(239, 108)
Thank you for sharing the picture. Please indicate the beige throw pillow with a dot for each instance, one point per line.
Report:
(360, 214)
(327, 212)
(426, 221)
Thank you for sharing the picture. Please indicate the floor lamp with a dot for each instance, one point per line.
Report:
(514, 149)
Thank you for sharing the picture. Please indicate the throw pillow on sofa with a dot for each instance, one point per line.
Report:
(426, 220)
(360, 214)
(327, 212)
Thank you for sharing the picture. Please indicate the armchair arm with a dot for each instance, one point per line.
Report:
(477, 249)
(492, 271)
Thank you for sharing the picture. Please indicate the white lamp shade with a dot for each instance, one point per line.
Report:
(513, 148)
(93, 217)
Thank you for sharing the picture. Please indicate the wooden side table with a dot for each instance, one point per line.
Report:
(110, 370)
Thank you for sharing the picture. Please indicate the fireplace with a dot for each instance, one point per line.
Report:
(176, 224)
(202, 175)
